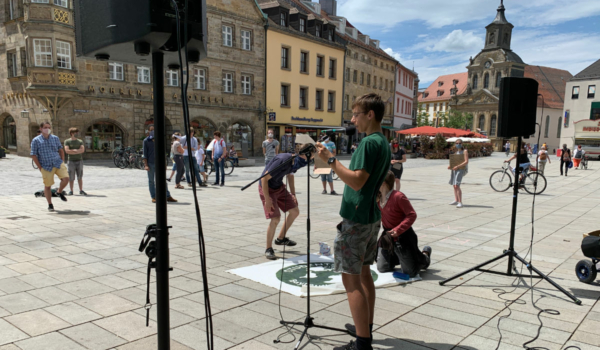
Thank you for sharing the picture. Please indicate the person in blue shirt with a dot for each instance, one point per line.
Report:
(150, 167)
(49, 156)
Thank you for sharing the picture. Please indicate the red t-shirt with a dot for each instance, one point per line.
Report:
(398, 214)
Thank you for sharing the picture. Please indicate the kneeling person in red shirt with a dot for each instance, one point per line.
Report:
(277, 198)
(397, 217)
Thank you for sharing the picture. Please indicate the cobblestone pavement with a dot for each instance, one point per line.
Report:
(73, 279)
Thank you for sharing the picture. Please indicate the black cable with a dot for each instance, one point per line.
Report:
(186, 122)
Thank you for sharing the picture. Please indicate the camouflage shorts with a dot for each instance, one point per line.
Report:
(355, 246)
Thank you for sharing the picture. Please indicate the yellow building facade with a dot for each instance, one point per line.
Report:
(305, 82)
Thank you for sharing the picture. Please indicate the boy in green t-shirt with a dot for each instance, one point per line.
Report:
(74, 148)
(355, 245)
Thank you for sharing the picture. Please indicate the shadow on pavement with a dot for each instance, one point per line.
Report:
(72, 212)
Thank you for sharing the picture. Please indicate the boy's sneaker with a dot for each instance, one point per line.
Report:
(349, 346)
(270, 254)
(50, 207)
(459, 205)
(82, 193)
(62, 196)
(333, 193)
(324, 192)
(285, 241)
(70, 193)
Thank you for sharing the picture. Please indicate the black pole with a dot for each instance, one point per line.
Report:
(309, 319)
(513, 219)
(162, 238)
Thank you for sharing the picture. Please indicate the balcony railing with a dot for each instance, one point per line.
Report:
(48, 13)
(40, 77)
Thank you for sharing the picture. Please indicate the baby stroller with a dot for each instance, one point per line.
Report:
(590, 247)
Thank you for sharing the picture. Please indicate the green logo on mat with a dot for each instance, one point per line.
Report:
(321, 274)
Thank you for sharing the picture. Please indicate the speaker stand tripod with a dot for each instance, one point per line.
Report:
(510, 253)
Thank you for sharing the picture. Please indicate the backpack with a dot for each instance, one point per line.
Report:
(543, 156)
(578, 153)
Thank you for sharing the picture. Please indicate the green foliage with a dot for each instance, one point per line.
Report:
(5, 150)
(423, 117)
(458, 120)
(439, 143)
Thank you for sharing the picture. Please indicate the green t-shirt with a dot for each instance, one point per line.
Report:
(373, 154)
(74, 145)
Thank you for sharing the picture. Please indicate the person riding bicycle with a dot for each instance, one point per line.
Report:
(522, 162)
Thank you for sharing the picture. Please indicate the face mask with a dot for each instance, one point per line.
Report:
(270, 136)
(46, 131)
(151, 133)
(299, 162)
(458, 145)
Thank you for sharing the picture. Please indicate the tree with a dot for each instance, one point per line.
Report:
(423, 117)
(458, 120)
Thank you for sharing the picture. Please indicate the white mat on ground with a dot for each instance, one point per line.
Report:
(323, 280)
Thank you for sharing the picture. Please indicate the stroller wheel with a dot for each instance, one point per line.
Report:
(586, 271)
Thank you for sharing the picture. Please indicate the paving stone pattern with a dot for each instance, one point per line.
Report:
(74, 279)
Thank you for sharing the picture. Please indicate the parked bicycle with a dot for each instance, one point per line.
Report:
(209, 166)
(532, 181)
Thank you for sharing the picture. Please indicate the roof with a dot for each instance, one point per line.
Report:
(552, 84)
(447, 84)
(590, 72)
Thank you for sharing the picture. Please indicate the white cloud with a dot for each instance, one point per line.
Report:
(392, 53)
(459, 41)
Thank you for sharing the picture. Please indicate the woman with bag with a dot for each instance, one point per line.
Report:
(458, 172)
(398, 243)
(565, 159)
(543, 158)
(398, 157)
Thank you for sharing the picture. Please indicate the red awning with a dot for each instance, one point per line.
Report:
(432, 131)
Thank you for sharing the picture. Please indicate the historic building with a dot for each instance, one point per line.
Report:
(407, 85)
(111, 102)
(304, 71)
(579, 123)
(485, 71)
(437, 97)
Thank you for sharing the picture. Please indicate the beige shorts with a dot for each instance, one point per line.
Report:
(48, 176)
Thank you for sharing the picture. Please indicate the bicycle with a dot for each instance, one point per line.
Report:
(533, 182)
(209, 166)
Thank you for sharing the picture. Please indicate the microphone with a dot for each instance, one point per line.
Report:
(349, 131)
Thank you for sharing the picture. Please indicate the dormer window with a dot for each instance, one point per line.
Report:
(283, 19)
(318, 30)
(440, 93)
(302, 25)
(440, 83)
(425, 94)
(330, 34)
(455, 81)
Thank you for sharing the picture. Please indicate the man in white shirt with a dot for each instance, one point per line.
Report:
(186, 157)
(219, 149)
(543, 158)
(507, 148)
(200, 157)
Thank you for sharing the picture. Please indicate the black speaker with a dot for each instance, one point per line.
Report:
(129, 30)
(517, 107)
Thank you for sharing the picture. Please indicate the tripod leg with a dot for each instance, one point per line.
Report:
(475, 268)
(531, 267)
(301, 337)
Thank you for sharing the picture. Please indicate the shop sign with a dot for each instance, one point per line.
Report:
(126, 92)
(305, 119)
(81, 111)
(272, 116)
(592, 128)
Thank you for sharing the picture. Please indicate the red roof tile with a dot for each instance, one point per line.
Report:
(447, 83)
(552, 84)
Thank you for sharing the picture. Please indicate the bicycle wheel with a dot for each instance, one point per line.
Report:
(209, 167)
(33, 164)
(121, 162)
(534, 183)
(335, 176)
(500, 180)
(229, 167)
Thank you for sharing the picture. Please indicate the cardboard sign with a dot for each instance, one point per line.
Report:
(457, 159)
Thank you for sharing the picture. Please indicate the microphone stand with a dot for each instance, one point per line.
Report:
(308, 321)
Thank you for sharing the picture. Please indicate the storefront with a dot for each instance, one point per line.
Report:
(587, 134)
(286, 135)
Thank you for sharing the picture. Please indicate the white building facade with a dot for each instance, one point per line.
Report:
(407, 85)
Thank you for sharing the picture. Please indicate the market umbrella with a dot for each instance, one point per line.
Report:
(425, 130)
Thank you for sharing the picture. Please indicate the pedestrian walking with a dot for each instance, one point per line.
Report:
(565, 159)
(507, 148)
(457, 174)
(200, 159)
(328, 178)
(74, 148)
(397, 166)
(150, 166)
(178, 152)
(542, 159)
(187, 157)
(233, 155)
(270, 147)
(49, 157)
(219, 156)
(578, 156)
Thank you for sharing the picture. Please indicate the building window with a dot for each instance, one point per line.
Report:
(547, 126)
(440, 93)
(440, 83)
(285, 64)
(331, 101)
(9, 127)
(103, 137)
(330, 34)
(115, 71)
(302, 25)
(362, 78)
(385, 87)
(246, 85)
(375, 63)
(246, 40)
(591, 91)
(227, 36)
(283, 19)
(42, 50)
(347, 74)
(14, 8)
(498, 79)
(320, 63)
(575, 94)
(559, 127)
(172, 77)
(319, 100)
(143, 74)
(228, 83)
(23, 62)
(318, 30)
(486, 81)
(200, 78)
(493, 125)
(63, 54)
(63, 3)
(380, 82)
(303, 97)
(368, 79)
(346, 102)
(332, 68)
(303, 62)
(285, 96)
(481, 123)
(11, 58)
(475, 81)
(355, 76)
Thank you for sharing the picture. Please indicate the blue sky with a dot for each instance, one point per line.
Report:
(439, 36)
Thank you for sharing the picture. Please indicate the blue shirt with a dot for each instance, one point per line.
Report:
(46, 151)
(277, 175)
(149, 150)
